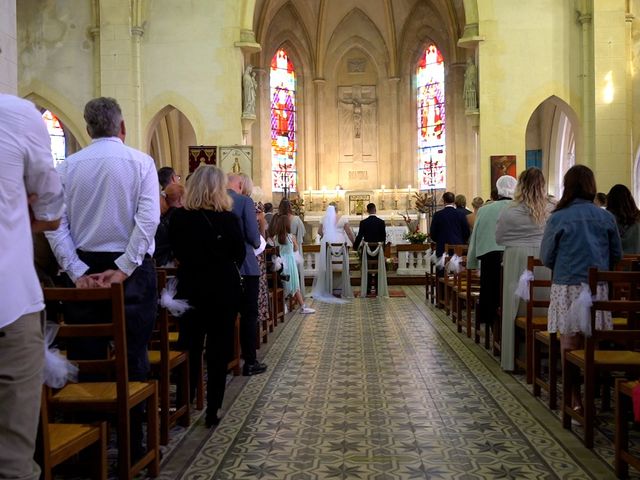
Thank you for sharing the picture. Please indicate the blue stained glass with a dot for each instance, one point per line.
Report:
(431, 119)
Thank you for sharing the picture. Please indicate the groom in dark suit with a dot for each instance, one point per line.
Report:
(372, 228)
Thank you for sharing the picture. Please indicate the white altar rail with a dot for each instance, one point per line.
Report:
(412, 259)
(310, 255)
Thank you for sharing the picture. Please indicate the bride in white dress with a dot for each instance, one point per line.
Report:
(334, 229)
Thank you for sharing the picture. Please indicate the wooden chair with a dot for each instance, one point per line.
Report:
(174, 335)
(117, 397)
(527, 326)
(164, 362)
(459, 293)
(623, 454)
(467, 295)
(594, 361)
(372, 267)
(445, 281)
(58, 442)
(542, 339)
(276, 292)
(267, 325)
(430, 279)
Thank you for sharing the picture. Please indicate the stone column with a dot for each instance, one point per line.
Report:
(612, 128)
(394, 137)
(319, 86)
(588, 109)
(119, 44)
(8, 47)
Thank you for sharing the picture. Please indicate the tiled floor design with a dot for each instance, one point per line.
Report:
(383, 389)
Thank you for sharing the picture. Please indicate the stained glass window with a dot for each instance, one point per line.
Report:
(431, 120)
(283, 123)
(56, 133)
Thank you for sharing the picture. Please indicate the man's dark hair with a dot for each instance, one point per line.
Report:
(371, 208)
(268, 207)
(164, 176)
(103, 117)
(448, 197)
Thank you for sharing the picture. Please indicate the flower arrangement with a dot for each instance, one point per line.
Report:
(423, 201)
(297, 206)
(414, 235)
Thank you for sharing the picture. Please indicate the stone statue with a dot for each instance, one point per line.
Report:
(249, 85)
(357, 112)
(470, 86)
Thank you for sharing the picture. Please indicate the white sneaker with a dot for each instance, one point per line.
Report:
(305, 310)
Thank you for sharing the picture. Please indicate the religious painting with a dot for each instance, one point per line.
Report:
(283, 123)
(502, 165)
(201, 155)
(431, 120)
(236, 159)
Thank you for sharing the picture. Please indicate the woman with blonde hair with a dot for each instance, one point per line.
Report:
(519, 229)
(207, 242)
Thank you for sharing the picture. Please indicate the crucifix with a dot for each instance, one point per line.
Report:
(357, 100)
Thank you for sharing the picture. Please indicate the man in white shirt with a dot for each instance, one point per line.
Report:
(27, 172)
(107, 235)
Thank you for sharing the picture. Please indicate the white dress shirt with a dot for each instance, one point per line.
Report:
(112, 196)
(26, 167)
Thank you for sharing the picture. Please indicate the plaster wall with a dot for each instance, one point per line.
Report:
(189, 61)
(173, 53)
(528, 54)
(55, 66)
(613, 160)
(8, 47)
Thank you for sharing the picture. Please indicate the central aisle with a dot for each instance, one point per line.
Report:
(384, 389)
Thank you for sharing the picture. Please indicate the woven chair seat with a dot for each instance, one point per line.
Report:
(98, 392)
(608, 357)
(538, 322)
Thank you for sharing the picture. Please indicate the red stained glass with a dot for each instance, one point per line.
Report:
(283, 123)
(431, 119)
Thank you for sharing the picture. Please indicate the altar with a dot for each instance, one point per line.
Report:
(389, 202)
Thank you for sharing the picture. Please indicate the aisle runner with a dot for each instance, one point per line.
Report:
(372, 390)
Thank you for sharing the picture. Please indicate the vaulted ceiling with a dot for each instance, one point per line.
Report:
(319, 26)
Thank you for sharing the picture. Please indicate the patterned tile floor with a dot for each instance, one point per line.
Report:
(381, 389)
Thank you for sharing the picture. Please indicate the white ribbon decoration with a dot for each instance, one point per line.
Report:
(454, 264)
(382, 290)
(580, 310)
(522, 290)
(176, 306)
(57, 369)
(441, 261)
(260, 249)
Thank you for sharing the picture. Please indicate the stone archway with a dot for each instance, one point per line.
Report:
(171, 133)
(551, 141)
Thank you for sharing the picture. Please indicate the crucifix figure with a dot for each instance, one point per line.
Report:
(357, 101)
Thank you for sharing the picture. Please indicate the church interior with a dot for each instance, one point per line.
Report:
(351, 102)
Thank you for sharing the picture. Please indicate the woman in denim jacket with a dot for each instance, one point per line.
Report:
(578, 235)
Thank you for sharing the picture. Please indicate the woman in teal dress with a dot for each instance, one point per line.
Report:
(288, 246)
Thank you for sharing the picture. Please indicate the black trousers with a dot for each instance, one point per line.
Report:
(216, 323)
(490, 300)
(249, 318)
(141, 303)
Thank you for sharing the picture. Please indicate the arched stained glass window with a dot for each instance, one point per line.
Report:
(283, 123)
(56, 133)
(431, 120)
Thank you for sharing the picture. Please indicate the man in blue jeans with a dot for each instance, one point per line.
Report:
(244, 208)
